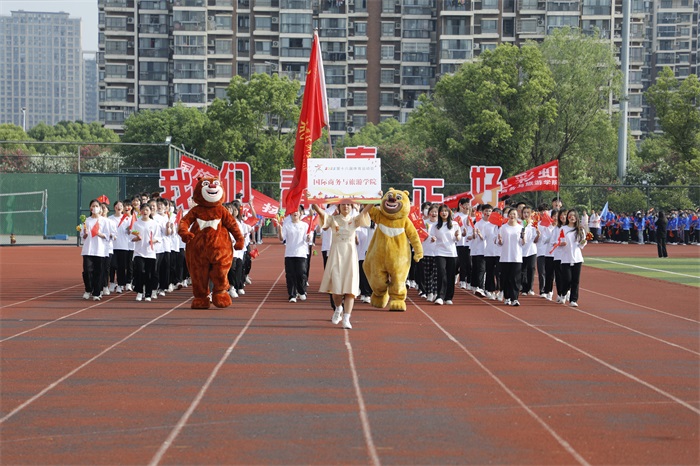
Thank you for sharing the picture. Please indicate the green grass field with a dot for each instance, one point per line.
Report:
(677, 270)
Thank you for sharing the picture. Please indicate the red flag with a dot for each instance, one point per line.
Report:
(314, 116)
(496, 219)
(133, 220)
(124, 217)
(311, 221)
(546, 219)
(95, 230)
(150, 240)
(478, 216)
(458, 218)
(471, 222)
(415, 216)
(558, 243)
(178, 217)
(103, 199)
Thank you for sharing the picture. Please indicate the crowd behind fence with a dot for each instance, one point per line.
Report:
(72, 184)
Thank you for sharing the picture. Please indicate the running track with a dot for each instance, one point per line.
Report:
(616, 381)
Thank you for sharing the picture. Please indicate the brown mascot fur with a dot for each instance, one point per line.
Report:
(205, 229)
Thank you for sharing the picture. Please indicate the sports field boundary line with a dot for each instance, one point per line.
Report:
(643, 268)
(640, 305)
(202, 391)
(85, 364)
(564, 444)
(60, 318)
(597, 359)
(364, 418)
(38, 297)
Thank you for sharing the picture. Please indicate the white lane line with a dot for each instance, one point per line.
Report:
(636, 331)
(641, 305)
(59, 319)
(643, 268)
(202, 391)
(371, 449)
(580, 459)
(598, 360)
(37, 297)
(85, 364)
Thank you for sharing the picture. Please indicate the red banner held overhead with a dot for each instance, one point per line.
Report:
(542, 178)
(313, 118)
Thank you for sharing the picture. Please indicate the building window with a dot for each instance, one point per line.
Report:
(360, 75)
(360, 99)
(361, 52)
(386, 99)
(361, 28)
(387, 29)
(387, 52)
(295, 23)
(489, 26)
(387, 76)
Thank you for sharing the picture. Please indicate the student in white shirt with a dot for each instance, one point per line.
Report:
(571, 256)
(530, 238)
(95, 233)
(295, 236)
(510, 237)
(121, 221)
(478, 247)
(428, 260)
(444, 236)
(363, 237)
(146, 235)
(464, 263)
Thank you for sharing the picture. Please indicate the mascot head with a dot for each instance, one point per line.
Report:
(209, 192)
(395, 204)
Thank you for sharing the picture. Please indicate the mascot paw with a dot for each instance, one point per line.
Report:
(417, 257)
(379, 301)
(397, 305)
(222, 299)
(200, 303)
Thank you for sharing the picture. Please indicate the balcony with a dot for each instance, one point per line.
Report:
(456, 5)
(563, 6)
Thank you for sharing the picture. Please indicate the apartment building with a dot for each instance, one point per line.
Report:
(41, 68)
(90, 94)
(379, 55)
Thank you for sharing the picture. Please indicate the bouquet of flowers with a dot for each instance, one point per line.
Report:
(82, 223)
(589, 236)
(137, 234)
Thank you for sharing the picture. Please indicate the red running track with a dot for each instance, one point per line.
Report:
(616, 381)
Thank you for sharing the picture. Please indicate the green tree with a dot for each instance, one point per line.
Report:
(185, 125)
(72, 131)
(490, 111)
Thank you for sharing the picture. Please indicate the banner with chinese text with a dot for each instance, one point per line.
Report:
(542, 178)
(332, 180)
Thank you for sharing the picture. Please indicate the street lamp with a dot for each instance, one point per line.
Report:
(24, 119)
(646, 193)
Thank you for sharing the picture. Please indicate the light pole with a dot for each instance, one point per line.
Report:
(646, 194)
(24, 119)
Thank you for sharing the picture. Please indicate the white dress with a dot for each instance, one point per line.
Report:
(342, 272)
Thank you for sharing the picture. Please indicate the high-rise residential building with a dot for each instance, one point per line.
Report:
(379, 55)
(90, 80)
(41, 68)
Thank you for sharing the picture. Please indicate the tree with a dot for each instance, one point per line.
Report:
(72, 131)
(185, 125)
(490, 111)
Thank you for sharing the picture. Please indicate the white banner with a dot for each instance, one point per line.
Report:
(331, 180)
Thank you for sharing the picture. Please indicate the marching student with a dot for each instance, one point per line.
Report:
(464, 263)
(492, 252)
(133, 216)
(511, 238)
(478, 247)
(544, 232)
(556, 239)
(236, 275)
(162, 216)
(571, 257)
(429, 266)
(121, 221)
(419, 274)
(530, 237)
(145, 235)
(107, 264)
(364, 236)
(95, 250)
(444, 235)
(295, 236)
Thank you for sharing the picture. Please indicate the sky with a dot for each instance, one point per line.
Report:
(84, 9)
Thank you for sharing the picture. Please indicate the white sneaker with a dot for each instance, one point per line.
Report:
(507, 302)
(248, 281)
(500, 296)
(154, 294)
(515, 303)
(493, 296)
(439, 301)
(129, 287)
(367, 299)
(337, 315)
(479, 292)
(566, 298)
(449, 302)
(86, 295)
(346, 321)
(463, 285)
(232, 293)
(559, 300)
(119, 289)
(148, 299)
(531, 293)
(302, 297)
(161, 293)
(431, 297)
(96, 298)
(469, 287)
(105, 291)
(549, 296)
(171, 288)
(241, 292)
(112, 286)
(292, 300)
(573, 304)
(543, 295)
(139, 296)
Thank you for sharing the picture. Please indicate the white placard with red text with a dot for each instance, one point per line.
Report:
(352, 178)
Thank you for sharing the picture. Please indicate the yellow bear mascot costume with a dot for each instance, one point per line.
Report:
(388, 258)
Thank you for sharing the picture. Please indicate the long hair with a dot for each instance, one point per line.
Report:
(580, 234)
(559, 221)
(449, 216)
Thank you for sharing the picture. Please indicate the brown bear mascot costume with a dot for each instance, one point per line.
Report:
(205, 229)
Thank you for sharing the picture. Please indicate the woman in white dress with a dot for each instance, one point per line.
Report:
(341, 277)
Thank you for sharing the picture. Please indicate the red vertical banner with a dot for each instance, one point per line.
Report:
(314, 116)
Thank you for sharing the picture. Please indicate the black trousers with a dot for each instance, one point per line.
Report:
(571, 276)
(558, 278)
(528, 273)
(365, 289)
(130, 266)
(492, 278)
(145, 276)
(541, 273)
(122, 256)
(325, 259)
(164, 271)
(446, 271)
(478, 271)
(511, 279)
(235, 274)
(549, 274)
(93, 267)
(661, 245)
(295, 273)
(464, 263)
